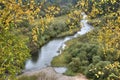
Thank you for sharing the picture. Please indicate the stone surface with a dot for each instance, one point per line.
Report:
(50, 74)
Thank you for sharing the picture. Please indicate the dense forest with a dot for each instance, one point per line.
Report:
(26, 25)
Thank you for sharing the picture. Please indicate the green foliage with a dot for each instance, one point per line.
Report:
(73, 20)
(61, 60)
(89, 59)
(98, 8)
(74, 64)
(13, 48)
(103, 70)
(23, 23)
(96, 59)
(14, 53)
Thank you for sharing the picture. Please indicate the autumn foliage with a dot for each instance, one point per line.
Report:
(13, 49)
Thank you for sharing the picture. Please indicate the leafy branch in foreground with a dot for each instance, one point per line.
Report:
(13, 48)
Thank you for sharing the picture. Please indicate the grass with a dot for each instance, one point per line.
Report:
(70, 73)
(62, 18)
(59, 61)
(68, 33)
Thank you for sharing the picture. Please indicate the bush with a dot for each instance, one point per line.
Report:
(23, 23)
(102, 71)
(68, 58)
(74, 64)
(96, 59)
(90, 60)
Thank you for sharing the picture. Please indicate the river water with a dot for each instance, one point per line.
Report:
(53, 48)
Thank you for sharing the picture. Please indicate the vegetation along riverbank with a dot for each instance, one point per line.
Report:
(97, 53)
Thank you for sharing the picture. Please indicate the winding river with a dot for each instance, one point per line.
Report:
(53, 48)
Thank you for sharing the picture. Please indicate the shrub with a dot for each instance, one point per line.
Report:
(74, 64)
(96, 59)
(97, 71)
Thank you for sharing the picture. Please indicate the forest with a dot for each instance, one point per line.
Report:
(27, 25)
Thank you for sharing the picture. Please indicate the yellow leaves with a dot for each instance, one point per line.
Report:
(52, 10)
(113, 65)
(31, 19)
(117, 45)
(42, 29)
(100, 73)
(3, 1)
(10, 42)
(37, 10)
(77, 12)
(18, 11)
(74, 19)
(35, 38)
(57, 8)
(109, 36)
(118, 20)
(49, 18)
(6, 28)
(81, 3)
(68, 21)
(2, 70)
(112, 50)
(113, 1)
(97, 75)
(12, 47)
(71, 27)
(102, 1)
(34, 34)
(32, 7)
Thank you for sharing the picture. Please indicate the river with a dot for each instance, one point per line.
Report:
(53, 48)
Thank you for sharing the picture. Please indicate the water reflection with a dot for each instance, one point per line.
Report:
(35, 57)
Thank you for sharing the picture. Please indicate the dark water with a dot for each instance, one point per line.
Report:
(53, 48)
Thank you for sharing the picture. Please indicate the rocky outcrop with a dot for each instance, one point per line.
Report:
(50, 74)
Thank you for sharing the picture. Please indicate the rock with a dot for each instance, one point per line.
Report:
(50, 74)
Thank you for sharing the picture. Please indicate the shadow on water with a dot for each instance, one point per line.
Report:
(35, 56)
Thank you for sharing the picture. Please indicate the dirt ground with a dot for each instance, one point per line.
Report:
(50, 74)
